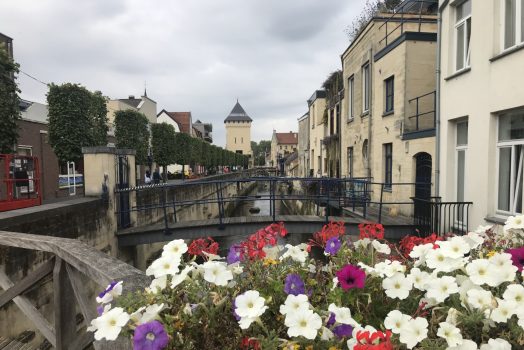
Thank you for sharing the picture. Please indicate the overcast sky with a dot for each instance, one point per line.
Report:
(198, 55)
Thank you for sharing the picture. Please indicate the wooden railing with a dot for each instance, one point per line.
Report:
(72, 262)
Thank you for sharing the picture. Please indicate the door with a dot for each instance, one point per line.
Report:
(423, 188)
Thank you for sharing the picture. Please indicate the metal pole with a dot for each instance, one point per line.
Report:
(274, 203)
(174, 204)
(380, 205)
(164, 206)
(219, 201)
(328, 208)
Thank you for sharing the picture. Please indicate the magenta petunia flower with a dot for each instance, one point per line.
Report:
(351, 276)
(150, 336)
(332, 246)
(517, 256)
(294, 284)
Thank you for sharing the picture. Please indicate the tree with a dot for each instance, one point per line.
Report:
(182, 150)
(9, 102)
(163, 145)
(259, 151)
(99, 118)
(371, 8)
(132, 131)
(70, 122)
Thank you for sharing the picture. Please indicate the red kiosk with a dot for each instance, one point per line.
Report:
(19, 182)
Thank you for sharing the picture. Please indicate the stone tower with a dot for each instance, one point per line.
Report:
(238, 131)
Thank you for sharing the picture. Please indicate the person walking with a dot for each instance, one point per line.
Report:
(156, 176)
(147, 178)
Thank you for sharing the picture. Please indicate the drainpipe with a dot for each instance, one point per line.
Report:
(437, 105)
(370, 109)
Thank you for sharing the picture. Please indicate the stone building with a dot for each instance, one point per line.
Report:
(388, 113)
(317, 132)
(303, 146)
(482, 107)
(282, 145)
(143, 105)
(238, 131)
(7, 44)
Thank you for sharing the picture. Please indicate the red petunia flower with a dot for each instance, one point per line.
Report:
(378, 340)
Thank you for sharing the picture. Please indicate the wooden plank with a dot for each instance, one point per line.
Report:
(64, 305)
(30, 311)
(82, 341)
(32, 278)
(87, 305)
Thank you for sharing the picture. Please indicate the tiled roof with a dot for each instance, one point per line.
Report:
(131, 101)
(238, 114)
(183, 119)
(287, 138)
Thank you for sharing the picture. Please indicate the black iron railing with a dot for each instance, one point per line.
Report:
(436, 216)
(421, 113)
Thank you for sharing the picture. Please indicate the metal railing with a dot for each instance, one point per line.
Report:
(440, 217)
(424, 116)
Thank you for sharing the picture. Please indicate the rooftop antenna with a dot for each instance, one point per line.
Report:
(145, 88)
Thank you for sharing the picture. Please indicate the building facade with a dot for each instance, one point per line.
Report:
(238, 131)
(303, 146)
(388, 114)
(482, 107)
(7, 43)
(317, 132)
(143, 105)
(282, 145)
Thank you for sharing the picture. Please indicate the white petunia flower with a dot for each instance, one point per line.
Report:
(415, 331)
(175, 248)
(217, 273)
(474, 239)
(151, 312)
(481, 271)
(342, 315)
(180, 277)
(380, 247)
(438, 260)
(514, 223)
(515, 293)
(482, 229)
(504, 310)
(419, 278)
(466, 345)
(395, 320)
(496, 344)
(441, 288)
(165, 265)
(362, 243)
(326, 334)
(452, 316)
(397, 286)
(294, 303)
(335, 283)
(250, 304)
(388, 268)
(304, 323)
(245, 322)
(454, 248)
(273, 252)
(110, 324)
(296, 253)
(450, 333)
(158, 284)
(236, 268)
(420, 251)
(479, 299)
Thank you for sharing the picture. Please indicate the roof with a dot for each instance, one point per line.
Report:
(238, 114)
(316, 94)
(183, 119)
(131, 101)
(287, 138)
(24, 104)
(290, 158)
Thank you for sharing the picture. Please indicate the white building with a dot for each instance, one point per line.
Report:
(482, 107)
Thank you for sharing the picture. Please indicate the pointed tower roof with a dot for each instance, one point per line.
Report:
(238, 114)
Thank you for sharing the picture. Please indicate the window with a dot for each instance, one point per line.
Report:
(319, 164)
(365, 88)
(365, 150)
(389, 85)
(350, 162)
(513, 22)
(325, 165)
(463, 34)
(510, 162)
(388, 165)
(460, 148)
(351, 96)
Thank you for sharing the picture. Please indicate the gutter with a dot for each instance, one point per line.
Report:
(437, 101)
(370, 109)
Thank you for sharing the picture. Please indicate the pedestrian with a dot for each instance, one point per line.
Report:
(147, 178)
(156, 176)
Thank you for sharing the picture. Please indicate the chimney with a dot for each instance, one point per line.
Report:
(131, 97)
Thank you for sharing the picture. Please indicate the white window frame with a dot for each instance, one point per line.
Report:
(467, 46)
(519, 35)
(366, 91)
(459, 148)
(351, 97)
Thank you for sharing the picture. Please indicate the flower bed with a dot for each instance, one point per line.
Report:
(453, 292)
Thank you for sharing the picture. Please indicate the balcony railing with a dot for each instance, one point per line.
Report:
(435, 216)
(420, 114)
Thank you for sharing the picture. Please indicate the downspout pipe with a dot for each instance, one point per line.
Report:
(370, 89)
(437, 101)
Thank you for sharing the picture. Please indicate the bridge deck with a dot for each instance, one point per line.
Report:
(241, 226)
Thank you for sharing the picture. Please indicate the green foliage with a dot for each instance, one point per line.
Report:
(182, 148)
(260, 150)
(99, 118)
(9, 103)
(163, 144)
(132, 131)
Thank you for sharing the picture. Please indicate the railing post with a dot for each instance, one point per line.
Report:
(328, 208)
(174, 204)
(64, 301)
(164, 207)
(380, 205)
(220, 204)
(274, 199)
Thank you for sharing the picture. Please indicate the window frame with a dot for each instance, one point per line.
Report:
(460, 148)
(518, 33)
(391, 80)
(351, 97)
(467, 44)
(366, 91)
(388, 165)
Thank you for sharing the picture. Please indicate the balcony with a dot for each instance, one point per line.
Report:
(420, 117)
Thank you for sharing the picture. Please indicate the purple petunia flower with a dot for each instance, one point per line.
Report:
(343, 331)
(332, 246)
(234, 254)
(294, 284)
(351, 276)
(517, 256)
(150, 336)
(331, 321)
(235, 310)
(108, 289)
(100, 310)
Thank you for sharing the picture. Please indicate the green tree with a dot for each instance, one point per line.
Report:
(99, 118)
(132, 131)
(9, 102)
(182, 150)
(163, 145)
(70, 122)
